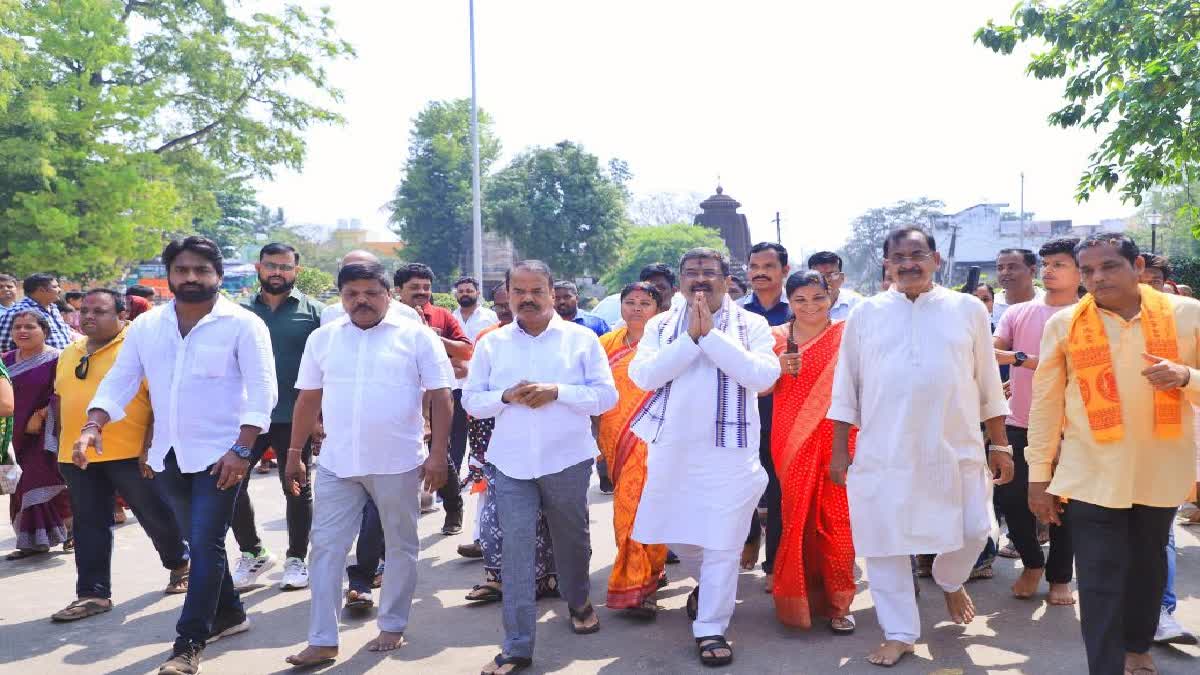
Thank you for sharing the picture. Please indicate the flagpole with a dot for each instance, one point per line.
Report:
(476, 209)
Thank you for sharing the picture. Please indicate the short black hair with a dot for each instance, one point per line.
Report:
(1026, 255)
(117, 298)
(498, 287)
(37, 316)
(1124, 243)
(739, 282)
(201, 246)
(769, 246)
(902, 232)
(659, 270)
(63, 306)
(140, 291)
(73, 295)
(363, 272)
(535, 266)
(413, 271)
(8, 278)
(277, 248)
(825, 258)
(1062, 245)
(467, 280)
(36, 282)
(984, 284)
(644, 287)
(802, 279)
(567, 286)
(1158, 262)
(706, 253)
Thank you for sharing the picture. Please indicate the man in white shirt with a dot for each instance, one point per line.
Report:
(829, 265)
(335, 310)
(194, 351)
(705, 363)
(1016, 269)
(916, 374)
(543, 378)
(370, 354)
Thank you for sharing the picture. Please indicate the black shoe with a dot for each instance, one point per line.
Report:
(453, 524)
(185, 659)
(228, 623)
(472, 550)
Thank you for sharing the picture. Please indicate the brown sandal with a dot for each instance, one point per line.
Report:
(82, 609)
(178, 582)
(580, 618)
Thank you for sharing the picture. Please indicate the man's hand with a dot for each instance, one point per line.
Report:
(536, 395)
(1005, 358)
(510, 394)
(789, 364)
(1164, 375)
(88, 438)
(1001, 465)
(144, 467)
(1045, 506)
(295, 473)
(434, 471)
(318, 438)
(839, 465)
(700, 319)
(1007, 385)
(229, 470)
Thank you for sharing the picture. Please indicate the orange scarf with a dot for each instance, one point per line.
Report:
(1087, 346)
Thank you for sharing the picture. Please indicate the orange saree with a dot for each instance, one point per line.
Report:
(638, 567)
(814, 567)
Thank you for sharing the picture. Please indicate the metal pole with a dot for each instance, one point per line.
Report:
(778, 229)
(1022, 209)
(476, 208)
(1153, 238)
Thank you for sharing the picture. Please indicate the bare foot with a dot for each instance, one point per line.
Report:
(960, 606)
(1027, 584)
(312, 656)
(750, 555)
(769, 585)
(1139, 664)
(889, 653)
(1060, 594)
(386, 642)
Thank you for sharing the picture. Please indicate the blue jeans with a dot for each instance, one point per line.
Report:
(92, 502)
(1168, 600)
(369, 550)
(204, 514)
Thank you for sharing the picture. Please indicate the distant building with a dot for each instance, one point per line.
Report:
(719, 212)
(972, 237)
(499, 254)
(352, 234)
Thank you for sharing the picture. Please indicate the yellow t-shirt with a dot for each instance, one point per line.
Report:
(121, 440)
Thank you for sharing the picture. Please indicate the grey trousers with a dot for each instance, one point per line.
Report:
(562, 497)
(337, 513)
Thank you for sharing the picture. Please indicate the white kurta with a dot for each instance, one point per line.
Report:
(916, 378)
(696, 492)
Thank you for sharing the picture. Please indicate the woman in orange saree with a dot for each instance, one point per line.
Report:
(814, 567)
(639, 568)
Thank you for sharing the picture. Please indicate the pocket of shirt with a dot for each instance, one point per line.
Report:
(211, 361)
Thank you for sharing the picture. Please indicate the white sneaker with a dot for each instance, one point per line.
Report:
(249, 568)
(295, 575)
(1170, 632)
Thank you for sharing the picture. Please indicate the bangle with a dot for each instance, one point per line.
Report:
(1006, 449)
(91, 425)
(295, 449)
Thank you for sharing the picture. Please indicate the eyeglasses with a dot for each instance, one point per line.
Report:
(702, 274)
(918, 257)
(278, 267)
(81, 370)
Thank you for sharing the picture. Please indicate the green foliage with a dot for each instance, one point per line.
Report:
(445, 301)
(121, 118)
(1186, 270)
(314, 282)
(1131, 74)
(659, 243)
(559, 205)
(431, 208)
(862, 255)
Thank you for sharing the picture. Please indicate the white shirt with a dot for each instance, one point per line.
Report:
(916, 378)
(481, 318)
(1000, 304)
(847, 300)
(371, 400)
(203, 387)
(335, 310)
(529, 443)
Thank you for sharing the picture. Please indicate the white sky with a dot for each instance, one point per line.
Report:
(819, 110)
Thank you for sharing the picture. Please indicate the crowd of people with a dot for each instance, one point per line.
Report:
(785, 414)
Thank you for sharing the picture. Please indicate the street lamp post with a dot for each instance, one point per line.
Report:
(476, 215)
(1154, 217)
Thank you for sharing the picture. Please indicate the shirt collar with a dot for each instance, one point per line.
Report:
(753, 301)
(295, 294)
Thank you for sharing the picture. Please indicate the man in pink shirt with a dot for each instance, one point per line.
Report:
(1018, 340)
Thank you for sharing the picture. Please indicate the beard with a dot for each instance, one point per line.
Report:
(194, 292)
(468, 301)
(276, 286)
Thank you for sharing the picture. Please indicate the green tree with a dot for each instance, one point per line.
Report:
(1175, 235)
(431, 208)
(863, 252)
(654, 244)
(315, 282)
(111, 107)
(559, 205)
(1131, 74)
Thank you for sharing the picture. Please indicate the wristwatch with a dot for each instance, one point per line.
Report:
(1020, 358)
(1006, 449)
(240, 450)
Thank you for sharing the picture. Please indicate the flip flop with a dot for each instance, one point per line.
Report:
(82, 609)
(518, 663)
(582, 616)
(487, 594)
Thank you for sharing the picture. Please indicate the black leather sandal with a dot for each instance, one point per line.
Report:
(709, 645)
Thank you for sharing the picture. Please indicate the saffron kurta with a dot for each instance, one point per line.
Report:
(916, 378)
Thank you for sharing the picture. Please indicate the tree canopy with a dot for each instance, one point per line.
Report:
(863, 252)
(559, 205)
(119, 117)
(657, 244)
(1131, 74)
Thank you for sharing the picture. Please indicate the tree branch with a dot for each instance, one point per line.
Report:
(131, 5)
(208, 128)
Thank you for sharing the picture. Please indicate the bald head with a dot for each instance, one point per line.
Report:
(359, 256)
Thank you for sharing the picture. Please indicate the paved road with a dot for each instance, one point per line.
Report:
(447, 636)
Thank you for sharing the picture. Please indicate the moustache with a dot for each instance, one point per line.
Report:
(364, 308)
(528, 305)
(761, 278)
(707, 288)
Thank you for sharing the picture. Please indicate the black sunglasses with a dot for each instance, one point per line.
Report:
(81, 370)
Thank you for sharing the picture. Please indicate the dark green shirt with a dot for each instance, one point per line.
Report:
(289, 325)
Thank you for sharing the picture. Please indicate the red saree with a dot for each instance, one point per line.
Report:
(814, 567)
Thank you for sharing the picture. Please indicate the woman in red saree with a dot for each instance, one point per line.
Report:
(814, 567)
(639, 568)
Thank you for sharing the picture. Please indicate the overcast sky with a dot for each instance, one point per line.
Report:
(817, 110)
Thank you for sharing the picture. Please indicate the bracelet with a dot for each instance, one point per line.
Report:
(1006, 449)
(295, 450)
(91, 425)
